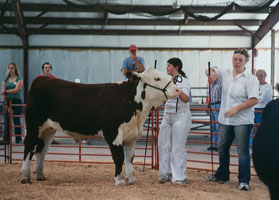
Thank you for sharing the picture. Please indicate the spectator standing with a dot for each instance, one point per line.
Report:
(133, 62)
(11, 92)
(175, 128)
(265, 96)
(46, 69)
(240, 92)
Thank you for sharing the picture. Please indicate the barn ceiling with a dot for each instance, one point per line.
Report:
(138, 17)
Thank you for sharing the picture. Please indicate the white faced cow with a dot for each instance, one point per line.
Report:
(117, 110)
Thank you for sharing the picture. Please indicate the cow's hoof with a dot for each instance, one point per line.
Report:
(41, 178)
(23, 181)
(132, 180)
(120, 183)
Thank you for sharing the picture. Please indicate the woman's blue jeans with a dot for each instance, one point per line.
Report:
(16, 111)
(241, 134)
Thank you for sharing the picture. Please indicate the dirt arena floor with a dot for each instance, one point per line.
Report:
(95, 181)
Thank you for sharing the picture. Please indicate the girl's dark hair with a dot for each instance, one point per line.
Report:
(176, 62)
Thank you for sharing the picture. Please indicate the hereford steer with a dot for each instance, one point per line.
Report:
(266, 149)
(117, 111)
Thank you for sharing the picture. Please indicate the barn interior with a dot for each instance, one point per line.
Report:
(88, 39)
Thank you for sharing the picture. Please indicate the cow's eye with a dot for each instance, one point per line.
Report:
(157, 79)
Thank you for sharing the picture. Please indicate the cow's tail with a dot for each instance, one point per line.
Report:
(32, 142)
(34, 119)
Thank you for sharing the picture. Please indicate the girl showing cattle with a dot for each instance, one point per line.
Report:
(240, 92)
(175, 128)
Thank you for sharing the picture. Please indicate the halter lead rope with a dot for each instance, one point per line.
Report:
(177, 79)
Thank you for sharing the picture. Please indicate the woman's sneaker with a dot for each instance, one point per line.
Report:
(214, 179)
(243, 186)
(180, 182)
(163, 180)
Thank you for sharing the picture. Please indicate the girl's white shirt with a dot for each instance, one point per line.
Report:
(235, 91)
(170, 106)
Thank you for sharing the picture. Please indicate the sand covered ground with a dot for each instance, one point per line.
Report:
(95, 181)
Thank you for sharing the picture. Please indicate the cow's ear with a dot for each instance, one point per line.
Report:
(132, 76)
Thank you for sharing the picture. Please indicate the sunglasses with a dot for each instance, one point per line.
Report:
(240, 52)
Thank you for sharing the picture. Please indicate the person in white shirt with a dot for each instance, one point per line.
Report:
(175, 128)
(240, 92)
(265, 96)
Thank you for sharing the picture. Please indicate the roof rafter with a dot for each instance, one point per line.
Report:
(129, 32)
(134, 22)
(267, 25)
(136, 8)
(19, 19)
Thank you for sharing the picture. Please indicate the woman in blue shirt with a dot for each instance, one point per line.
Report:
(11, 91)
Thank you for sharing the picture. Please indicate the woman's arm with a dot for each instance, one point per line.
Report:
(184, 97)
(245, 105)
(17, 88)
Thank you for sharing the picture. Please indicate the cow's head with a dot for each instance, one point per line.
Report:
(157, 86)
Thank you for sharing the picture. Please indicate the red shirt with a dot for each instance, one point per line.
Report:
(51, 76)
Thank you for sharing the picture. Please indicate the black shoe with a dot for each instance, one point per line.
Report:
(55, 142)
(212, 178)
(212, 148)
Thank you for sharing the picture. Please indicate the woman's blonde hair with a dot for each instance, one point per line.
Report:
(16, 70)
(243, 52)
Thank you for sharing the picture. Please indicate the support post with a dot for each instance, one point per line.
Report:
(24, 38)
(272, 62)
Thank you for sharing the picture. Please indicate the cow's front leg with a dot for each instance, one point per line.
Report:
(118, 158)
(129, 152)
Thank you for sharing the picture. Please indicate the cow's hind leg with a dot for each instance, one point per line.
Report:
(129, 152)
(118, 158)
(29, 145)
(45, 139)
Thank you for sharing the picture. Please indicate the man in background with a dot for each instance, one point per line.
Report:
(133, 63)
(215, 103)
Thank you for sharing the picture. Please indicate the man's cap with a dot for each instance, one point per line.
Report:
(133, 47)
